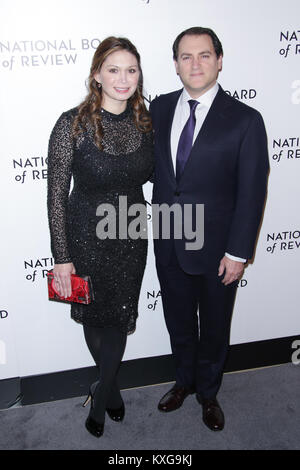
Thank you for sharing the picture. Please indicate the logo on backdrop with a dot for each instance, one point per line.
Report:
(37, 268)
(295, 98)
(289, 43)
(43, 52)
(286, 148)
(242, 283)
(30, 169)
(3, 314)
(243, 94)
(283, 241)
(154, 297)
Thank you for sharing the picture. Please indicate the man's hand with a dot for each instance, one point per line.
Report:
(233, 270)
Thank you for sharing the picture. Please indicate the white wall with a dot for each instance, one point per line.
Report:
(261, 41)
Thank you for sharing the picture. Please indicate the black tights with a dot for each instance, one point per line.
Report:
(107, 347)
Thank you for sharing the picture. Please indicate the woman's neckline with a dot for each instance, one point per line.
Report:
(116, 117)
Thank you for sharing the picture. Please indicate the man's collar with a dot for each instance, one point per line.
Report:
(207, 97)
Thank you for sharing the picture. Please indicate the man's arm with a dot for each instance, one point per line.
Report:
(252, 172)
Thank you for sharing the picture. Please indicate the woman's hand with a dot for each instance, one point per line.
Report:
(62, 278)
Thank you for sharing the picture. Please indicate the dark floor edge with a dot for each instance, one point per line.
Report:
(149, 371)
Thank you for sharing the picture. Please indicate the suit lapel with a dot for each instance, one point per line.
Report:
(213, 120)
(168, 121)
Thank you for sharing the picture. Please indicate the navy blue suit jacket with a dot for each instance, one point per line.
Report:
(226, 171)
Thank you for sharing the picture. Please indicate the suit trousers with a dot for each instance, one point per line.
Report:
(198, 311)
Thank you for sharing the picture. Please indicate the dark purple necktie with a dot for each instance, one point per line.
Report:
(186, 140)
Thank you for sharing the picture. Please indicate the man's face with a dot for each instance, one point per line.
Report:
(197, 64)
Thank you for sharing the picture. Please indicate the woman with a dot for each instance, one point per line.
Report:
(106, 145)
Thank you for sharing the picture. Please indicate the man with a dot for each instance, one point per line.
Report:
(210, 149)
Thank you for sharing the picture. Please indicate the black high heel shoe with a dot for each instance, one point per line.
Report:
(116, 414)
(91, 394)
(95, 428)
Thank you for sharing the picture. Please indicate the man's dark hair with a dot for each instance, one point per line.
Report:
(198, 31)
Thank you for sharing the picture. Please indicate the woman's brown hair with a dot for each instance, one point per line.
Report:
(88, 110)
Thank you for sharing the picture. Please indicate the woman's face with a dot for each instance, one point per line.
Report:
(119, 76)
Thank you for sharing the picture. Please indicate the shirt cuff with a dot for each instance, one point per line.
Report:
(235, 258)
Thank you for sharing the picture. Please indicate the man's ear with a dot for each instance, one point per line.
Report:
(176, 66)
(220, 63)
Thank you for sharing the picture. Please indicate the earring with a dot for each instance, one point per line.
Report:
(99, 85)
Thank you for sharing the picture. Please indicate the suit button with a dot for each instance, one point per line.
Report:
(177, 193)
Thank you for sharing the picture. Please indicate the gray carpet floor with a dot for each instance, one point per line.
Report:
(262, 412)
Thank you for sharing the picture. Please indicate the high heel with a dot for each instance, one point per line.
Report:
(87, 400)
(94, 428)
(90, 395)
(116, 414)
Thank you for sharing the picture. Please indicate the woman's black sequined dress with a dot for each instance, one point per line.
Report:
(116, 266)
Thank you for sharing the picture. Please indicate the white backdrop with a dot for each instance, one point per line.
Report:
(45, 54)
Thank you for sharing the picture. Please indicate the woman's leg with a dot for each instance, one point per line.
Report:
(107, 347)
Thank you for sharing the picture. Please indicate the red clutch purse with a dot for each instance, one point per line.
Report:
(82, 291)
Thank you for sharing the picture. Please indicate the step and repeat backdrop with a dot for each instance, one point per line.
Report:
(45, 54)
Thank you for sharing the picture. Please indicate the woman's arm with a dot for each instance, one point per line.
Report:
(60, 157)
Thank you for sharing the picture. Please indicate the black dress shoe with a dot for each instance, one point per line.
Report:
(116, 414)
(213, 415)
(96, 429)
(173, 399)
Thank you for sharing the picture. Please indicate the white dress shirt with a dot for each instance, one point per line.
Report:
(181, 115)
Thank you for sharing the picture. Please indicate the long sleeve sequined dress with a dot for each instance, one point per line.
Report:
(116, 266)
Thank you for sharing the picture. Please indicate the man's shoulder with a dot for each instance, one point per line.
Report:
(165, 98)
(240, 114)
(238, 106)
